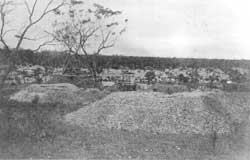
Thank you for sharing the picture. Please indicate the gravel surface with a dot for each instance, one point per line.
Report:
(191, 112)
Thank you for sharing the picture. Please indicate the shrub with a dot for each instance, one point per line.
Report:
(237, 87)
(170, 89)
(150, 75)
(183, 79)
(59, 79)
(244, 87)
(192, 85)
(114, 88)
(81, 82)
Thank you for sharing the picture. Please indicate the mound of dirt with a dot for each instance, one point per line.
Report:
(234, 107)
(189, 113)
(57, 93)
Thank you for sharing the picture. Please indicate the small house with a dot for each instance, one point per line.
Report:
(127, 82)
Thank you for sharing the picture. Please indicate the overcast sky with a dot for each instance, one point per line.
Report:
(182, 28)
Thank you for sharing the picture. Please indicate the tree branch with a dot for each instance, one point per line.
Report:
(44, 44)
(3, 13)
(6, 32)
(86, 36)
(45, 12)
(33, 8)
(27, 7)
(64, 42)
(103, 44)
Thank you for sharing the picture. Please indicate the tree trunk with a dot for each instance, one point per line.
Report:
(5, 76)
(10, 65)
(94, 75)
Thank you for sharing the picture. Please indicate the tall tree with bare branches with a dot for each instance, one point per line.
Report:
(86, 30)
(6, 12)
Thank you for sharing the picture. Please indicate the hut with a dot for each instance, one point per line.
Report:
(127, 83)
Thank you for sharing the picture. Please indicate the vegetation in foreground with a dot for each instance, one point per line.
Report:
(35, 130)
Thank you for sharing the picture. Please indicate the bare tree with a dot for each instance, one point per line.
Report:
(6, 9)
(86, 31)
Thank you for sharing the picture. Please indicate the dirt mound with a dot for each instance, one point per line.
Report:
(194, 112)
(234, 107)
(57, 93)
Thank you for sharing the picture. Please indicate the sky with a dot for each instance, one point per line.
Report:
(178, 28)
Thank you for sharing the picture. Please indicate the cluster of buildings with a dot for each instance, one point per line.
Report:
(177, 75)
(28, 74)
(40, 74)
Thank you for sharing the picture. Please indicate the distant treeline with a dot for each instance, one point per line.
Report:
(58, 59)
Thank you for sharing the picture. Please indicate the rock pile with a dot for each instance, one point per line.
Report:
(188, 113)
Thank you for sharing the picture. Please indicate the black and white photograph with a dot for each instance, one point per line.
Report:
(125, 79)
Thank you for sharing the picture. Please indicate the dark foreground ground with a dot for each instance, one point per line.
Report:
(35, 131)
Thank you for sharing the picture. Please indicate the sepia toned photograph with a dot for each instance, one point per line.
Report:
(125, 79)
